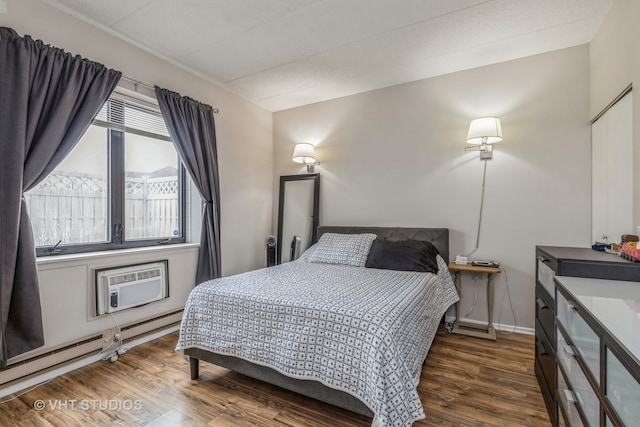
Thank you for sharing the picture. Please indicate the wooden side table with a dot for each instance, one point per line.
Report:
(472, 329)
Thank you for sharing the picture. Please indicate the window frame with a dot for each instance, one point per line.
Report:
(116, 232)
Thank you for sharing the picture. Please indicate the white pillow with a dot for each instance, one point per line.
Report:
(347, 249)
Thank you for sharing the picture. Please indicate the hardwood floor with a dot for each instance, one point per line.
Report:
(465, 382)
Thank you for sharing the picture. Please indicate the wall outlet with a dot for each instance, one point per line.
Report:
(109, 338)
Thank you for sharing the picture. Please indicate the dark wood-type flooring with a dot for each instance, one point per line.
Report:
(465, 382)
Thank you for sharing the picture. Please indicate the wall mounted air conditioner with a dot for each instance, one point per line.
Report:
(119, 288)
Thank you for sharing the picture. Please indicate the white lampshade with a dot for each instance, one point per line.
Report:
(484, 130)
(304, 153)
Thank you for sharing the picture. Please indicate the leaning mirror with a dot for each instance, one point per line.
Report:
(297, 214)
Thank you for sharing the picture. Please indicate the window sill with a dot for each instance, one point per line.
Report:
(93, 256)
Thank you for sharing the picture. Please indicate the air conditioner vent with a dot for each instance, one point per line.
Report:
(148, 274)
(122, 278)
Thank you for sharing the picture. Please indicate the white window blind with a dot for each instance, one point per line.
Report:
(129, 114)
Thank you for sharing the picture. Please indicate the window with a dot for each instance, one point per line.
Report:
(121, 186)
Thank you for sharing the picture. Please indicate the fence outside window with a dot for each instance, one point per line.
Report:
(73, 208)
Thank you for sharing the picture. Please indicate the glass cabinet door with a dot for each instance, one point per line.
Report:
(585, 340)
(622, 390)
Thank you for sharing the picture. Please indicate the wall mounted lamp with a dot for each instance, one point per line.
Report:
(305, 153)
(483, 132)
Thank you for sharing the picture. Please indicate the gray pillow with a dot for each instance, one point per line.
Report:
(347, 249)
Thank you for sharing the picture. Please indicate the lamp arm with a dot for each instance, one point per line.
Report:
(484, 176)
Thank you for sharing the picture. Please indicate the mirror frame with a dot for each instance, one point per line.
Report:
(315, 177)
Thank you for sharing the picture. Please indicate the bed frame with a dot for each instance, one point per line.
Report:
(314, 389)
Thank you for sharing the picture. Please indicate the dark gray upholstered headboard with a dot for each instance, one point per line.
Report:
(439, 237)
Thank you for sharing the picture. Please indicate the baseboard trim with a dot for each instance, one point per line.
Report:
(498, 326)
(34, 380)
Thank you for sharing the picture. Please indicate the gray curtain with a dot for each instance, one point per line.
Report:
(192, 129)
(48, 99)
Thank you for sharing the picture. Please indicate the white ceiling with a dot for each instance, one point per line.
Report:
(285, 53)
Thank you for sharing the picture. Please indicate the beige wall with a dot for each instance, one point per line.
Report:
(395, 157)
(244, 135)
(614, 64)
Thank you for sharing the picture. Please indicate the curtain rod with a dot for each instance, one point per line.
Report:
(151, 88)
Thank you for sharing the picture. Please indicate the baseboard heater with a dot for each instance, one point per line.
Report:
(123, 287)
(21, 369)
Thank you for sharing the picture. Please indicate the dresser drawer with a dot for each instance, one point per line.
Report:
(567, 401)
(584, 394)
(545, 277)
(622, 390)
(545, 360)
(545, 316)
(584, 339)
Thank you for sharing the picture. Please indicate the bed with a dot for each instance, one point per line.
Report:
(348, 335)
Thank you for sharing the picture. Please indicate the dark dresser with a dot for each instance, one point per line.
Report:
(554, 261)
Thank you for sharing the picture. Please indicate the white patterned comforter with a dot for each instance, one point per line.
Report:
(363, 331)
